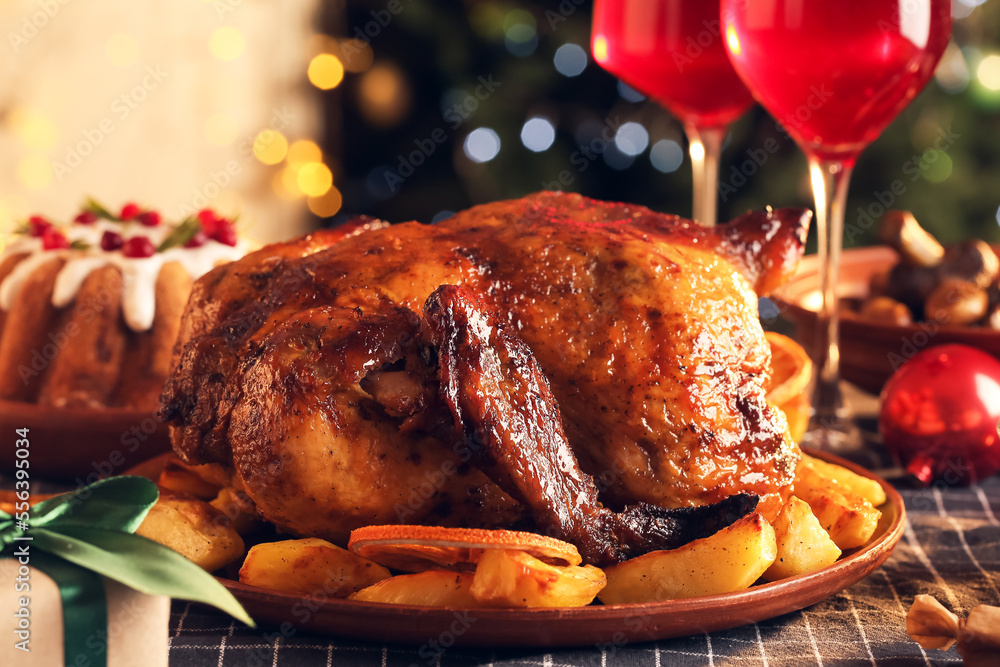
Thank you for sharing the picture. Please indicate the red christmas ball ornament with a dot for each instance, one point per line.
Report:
(940, 412)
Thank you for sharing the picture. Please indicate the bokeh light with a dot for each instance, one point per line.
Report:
(631, 138)
(616, 159)
(302, 152)
(270, 147)
(481, 145)
(988, 72)
(356, 55)
(936, 165)
(33, 129)
(538, 134)
(327, 204)
(315, 179)
(666, 155)
(227, 43)
(628, 93)
(570, 60)
(384, 95)
(326, 71)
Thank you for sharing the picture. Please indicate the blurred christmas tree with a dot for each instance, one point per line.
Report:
(467, 102)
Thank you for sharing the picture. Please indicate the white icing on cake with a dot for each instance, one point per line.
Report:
(139, 274)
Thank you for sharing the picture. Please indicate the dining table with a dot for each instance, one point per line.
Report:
(949, 549)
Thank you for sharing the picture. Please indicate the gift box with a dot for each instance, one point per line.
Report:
(135, 632)
(78, 587)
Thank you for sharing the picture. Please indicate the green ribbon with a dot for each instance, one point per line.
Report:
(77, 538)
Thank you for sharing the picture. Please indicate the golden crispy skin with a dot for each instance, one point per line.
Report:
(644, 324)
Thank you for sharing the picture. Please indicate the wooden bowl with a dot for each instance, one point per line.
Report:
(869, 352)
(79, 446)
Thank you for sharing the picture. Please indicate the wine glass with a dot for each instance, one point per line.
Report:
(834, 73)
(672, 50)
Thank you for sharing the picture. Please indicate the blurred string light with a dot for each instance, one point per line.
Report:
(326, 71)
(315, 179)
(356, 55)
(998, 215)
(303, 152)
(384, 95)
(952, 73)
(487, 20)
(666, 155)
(628, 93)
(122, 50)
(520, 33)
(538, 134)
(936, 165)
(988, 72)
(227, 43)
(570, 59)
(220, 129)
(631, 138)
(270, 147)
(327, 204)
(481, 145)
(33, 129)
(616, 159)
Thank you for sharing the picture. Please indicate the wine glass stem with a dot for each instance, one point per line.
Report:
(705, 147)
(830, 179)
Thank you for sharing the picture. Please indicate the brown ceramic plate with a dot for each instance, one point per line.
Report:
(869, 352)
(67, 445)
(595, 624)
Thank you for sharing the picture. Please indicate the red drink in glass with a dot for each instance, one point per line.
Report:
(835, 74)
(673, 51)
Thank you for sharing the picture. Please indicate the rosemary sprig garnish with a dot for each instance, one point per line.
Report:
(181, 234)
(97, 209)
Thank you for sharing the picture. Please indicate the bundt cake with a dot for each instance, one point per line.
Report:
(89, 311)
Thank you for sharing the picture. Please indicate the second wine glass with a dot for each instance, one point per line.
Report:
(835, 73)
(672, 50)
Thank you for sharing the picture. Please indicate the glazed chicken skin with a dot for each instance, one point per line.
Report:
(314, 371)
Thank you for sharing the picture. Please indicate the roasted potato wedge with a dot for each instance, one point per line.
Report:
(182, 478)
(194, 529)
(239, 509)
(514, 579)
(803, 544)
(868, 489)
(310, 567)
(730, 560)
(431, 588)
(845, 514)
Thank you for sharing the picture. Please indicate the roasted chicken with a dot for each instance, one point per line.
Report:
(552, 362)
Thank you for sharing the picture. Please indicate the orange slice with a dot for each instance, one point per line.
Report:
(797, 413)
(419, 548)
(791, 369)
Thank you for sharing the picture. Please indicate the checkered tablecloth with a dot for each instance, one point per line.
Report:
(951, 550)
